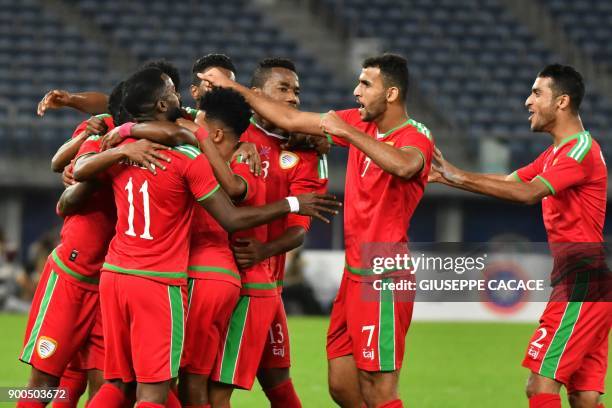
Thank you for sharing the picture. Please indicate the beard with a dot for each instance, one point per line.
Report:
(174, 114)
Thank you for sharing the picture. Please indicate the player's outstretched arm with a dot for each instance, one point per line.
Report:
(166, 133)
(73, 197)
(282, 115)
(404, 163)
(67, 151)
(142, 152)
(494, 185)
(88, 102)
(234, 218)
(250, 251)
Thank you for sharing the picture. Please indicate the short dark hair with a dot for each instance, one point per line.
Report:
(210, 61)
(228, 107)
(115, 107)
(167, 68)
(265, 66)
(142, 90)
(565, 81)
(394, 71)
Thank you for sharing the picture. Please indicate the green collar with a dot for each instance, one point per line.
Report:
(388, 132)
(572, 137)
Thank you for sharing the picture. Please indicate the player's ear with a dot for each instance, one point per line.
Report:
(161, 106)
(218, 136)
(392, 94)
(563, 102)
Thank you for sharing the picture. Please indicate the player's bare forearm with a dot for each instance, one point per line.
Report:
(503, 188)
(66, 152)
(87, 167)
(234, 218)
(93, 103)
(167, 133)
(233, 185)
(292, 238)
(73, 197)
(280, 114)
(404, 163)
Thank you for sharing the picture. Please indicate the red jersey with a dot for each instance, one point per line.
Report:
(108, 120)
(377, 205)
(85, 235)
(258, 280)
(285, 173)
(154, 214)
(576, 174)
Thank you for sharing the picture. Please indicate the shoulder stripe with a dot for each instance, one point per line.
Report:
(192, 153)
(421, 128)
(322, 167)
(581, 148)
(193, 149)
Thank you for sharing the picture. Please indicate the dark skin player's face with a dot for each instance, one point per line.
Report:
(283, 85)
(170, 100)
(371, 94)
(198, 91)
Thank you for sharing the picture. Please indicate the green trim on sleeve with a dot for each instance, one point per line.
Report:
(72, 273)
(516, 176)
(207, 195)
(550, 187)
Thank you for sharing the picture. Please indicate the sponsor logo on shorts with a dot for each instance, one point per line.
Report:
(288, 160)
(278, 351)
(45, 347)
(368, 353)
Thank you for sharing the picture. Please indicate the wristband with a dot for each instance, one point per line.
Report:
(125, 130)
(294, 204)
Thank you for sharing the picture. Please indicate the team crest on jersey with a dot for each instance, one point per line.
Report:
(288, 160)
(45, 347)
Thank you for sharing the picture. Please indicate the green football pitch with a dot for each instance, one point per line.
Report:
(447, 365)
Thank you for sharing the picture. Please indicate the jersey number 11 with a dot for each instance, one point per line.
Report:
(145, 203)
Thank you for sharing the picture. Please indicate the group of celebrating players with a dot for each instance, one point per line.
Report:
(165, 288)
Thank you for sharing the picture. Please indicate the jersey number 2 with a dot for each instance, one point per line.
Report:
(145, 204)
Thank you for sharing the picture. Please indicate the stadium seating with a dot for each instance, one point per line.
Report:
(588, 24)
(43, 53)
(472, 58)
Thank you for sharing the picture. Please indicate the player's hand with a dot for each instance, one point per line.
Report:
(249, 153)
(146, 154)
(111, 139)
(333, 125)
(447, 172)
(313, 205)
(301, 141)
(215, 78)
(200, 117)
(54, 99)
(248, 252)
(67, 176)
(187, 124)
(95, 126)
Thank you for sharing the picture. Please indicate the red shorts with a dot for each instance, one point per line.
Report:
(571, 344)
(210, 307)
(248, 332)
(277, 353)
(91, 356)
(373, 330)
(60, 320)
(143, 322)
